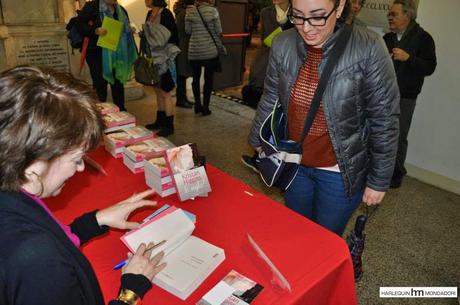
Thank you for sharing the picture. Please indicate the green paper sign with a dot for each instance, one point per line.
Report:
(112, 37)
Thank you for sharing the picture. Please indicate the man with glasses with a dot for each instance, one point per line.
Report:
(413, 52)
(349, 152)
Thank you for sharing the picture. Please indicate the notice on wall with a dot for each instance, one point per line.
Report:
(47, 51)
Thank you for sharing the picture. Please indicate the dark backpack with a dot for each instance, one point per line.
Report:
(75, 38)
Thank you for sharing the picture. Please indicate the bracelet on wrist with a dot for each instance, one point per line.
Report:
(128, 296)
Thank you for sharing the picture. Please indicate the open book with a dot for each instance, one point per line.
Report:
(190, 260)
(187, 169)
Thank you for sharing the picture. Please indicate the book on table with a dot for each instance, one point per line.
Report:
(105, 108)
(233, 289)
(114, 120)
(116, 140)
(148, 149)
(158, 177)
(134, 155)
(190, 260)
(187, 169)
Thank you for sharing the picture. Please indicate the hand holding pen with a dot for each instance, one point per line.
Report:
(144, 251)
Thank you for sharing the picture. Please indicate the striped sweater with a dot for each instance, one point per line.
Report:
(201, 45)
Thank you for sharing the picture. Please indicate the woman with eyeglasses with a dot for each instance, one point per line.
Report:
(349, 152)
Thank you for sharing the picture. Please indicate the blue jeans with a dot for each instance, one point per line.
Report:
(320, 196)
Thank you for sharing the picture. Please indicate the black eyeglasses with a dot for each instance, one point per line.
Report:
(313, 21)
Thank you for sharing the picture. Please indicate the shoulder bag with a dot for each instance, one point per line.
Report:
(219, 46)
(279, 160)
(144, 70)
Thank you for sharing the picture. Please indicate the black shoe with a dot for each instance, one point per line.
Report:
(189, 102)
(198, 109)
(160, 121)
(396, 183)
(250, 162)
(165, 131)
(168, 128)
(154, 126)
(206, 112)
(184, 104)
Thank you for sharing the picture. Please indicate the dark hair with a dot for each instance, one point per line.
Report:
(43, 115)
(408, 7)
(189, 2)
(345, 12)
(159, 3)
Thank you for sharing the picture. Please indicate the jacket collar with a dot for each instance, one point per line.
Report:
(327, 47)
(22, 205)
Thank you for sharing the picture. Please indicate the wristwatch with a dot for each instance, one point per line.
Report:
(128, 296)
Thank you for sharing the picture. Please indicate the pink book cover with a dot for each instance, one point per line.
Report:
(167, 185)
(128, 136)
(146, 223)
(148, 149)
(106, 108)
(118, 119)
(138, 170)
(189, 175)
(159, 164)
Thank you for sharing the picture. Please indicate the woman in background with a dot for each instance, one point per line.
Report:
(160, 15)
(48, 121)
(184, 70)
(202, 51)
(107, 66)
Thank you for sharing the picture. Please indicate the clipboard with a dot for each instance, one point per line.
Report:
(112, 37)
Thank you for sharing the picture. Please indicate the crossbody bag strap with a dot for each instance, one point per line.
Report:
(324, 79)
(206, 26)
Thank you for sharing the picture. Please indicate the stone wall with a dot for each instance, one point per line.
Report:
(34, 33)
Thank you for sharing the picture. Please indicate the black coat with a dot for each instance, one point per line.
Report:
(422, 61)
(39, 264)
(89, 20)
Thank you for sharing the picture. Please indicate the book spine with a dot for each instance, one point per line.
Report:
(171, 172)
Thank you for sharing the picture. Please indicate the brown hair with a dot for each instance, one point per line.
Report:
(43, 114)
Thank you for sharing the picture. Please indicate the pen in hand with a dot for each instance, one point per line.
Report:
(122, 263)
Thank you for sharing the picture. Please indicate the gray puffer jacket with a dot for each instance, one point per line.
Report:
(361, 103)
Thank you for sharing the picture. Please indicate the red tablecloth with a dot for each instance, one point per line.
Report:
(315, 262)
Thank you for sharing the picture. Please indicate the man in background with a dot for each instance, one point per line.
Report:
(413, 52)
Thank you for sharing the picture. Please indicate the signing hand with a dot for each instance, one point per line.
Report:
(399, 54)
(141, 263)
(100, 31)
(116, 215)
(372, 197)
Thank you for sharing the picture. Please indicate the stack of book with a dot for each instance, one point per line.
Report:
(116, 140)
(158, 176)
(190, 260)
(134, 155)
(186, 167)
(117, 120)
(106, 108)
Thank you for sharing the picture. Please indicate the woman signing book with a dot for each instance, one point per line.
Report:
(48, 122)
